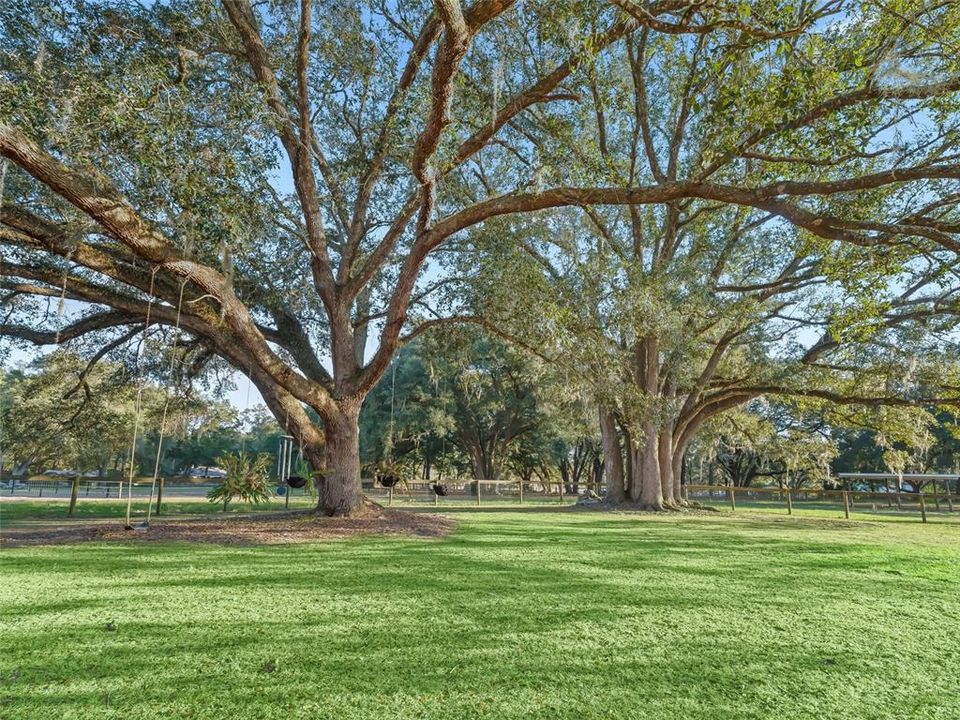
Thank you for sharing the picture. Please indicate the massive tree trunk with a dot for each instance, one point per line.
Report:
(651, 495)
(635, 472)
(333, 453)
(644, 474)
(612, 457)
(340, 491)
(665, 462)
(648, 486)
(484, 464)
(679, 474)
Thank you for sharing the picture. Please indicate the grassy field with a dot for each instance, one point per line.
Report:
(519, 614)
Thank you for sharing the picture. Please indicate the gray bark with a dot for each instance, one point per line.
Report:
(612, 457)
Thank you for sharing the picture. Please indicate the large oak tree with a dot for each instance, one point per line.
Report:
(271, 180)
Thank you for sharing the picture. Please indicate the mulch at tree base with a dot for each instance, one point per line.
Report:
(266, 529)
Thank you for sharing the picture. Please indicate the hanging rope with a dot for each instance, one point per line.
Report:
(3, 378)
(246, 408)
(139, 405)
(3, 180)
(3, 187)
(393, 394)
(61, 306)
(166, 402)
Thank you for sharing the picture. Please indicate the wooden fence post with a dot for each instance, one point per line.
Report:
(923, 508)
(521, 491)
(733, 500)
(74, 491)
(478, 492)
(846, 505)
(159, 495)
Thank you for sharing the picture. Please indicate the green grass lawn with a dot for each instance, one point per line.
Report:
(519, 615)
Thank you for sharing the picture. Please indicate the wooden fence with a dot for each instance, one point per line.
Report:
(932, 500)
(469, 492)
(479, 492)
(77, 488)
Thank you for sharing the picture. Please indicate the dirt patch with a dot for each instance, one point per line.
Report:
(266, 529)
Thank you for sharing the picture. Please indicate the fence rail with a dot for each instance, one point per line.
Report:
(467, 492)
(78, 487)
(478, 492)
(849, 500)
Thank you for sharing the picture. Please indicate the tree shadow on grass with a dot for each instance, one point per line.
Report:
(567, 608)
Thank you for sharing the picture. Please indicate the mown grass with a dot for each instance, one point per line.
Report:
(520, 614)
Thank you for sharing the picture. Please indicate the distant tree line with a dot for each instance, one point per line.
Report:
(61, 413)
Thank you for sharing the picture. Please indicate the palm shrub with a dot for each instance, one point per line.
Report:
(247, 478)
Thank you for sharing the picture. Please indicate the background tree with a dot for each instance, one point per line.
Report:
(766, 444)
(471, 404)
(830, 284)
(60, 413)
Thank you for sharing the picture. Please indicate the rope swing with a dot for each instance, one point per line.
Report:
(168, 391)
(166, 405)
(246, 408)
(139, 405)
